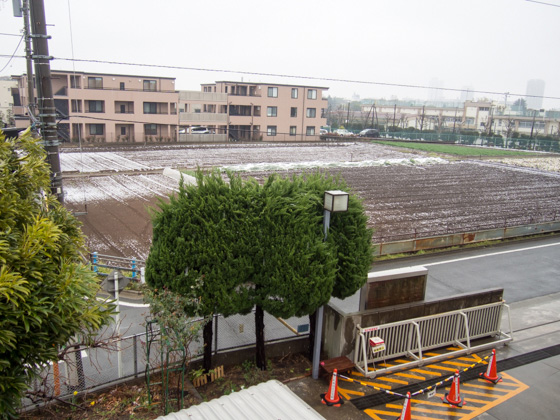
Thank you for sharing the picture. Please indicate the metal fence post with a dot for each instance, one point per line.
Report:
(135, 347)
(95, 261)
(215, 334)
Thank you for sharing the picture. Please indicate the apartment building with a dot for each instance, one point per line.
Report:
(256, 111)
(97, 107)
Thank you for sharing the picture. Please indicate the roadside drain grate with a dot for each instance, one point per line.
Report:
(380, 398)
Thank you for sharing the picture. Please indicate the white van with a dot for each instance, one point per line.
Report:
(200, 130)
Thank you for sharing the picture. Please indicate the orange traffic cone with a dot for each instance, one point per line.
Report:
(454, 396)
(491, 373)
(405, 414)
(331, 398)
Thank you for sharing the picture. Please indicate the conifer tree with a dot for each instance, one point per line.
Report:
(258, 246)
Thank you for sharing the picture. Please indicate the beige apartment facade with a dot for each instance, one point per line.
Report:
(96, 107)
(247, 111)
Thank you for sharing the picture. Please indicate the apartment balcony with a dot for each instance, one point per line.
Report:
(202, 118)
(187, 95)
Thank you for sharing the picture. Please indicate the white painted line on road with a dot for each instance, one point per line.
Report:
(490, 255)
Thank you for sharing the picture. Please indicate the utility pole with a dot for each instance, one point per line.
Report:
(394, 116)
(27, 34)
(533, 124)
(47, 111)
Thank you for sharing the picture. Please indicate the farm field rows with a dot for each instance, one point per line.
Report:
(405, 194)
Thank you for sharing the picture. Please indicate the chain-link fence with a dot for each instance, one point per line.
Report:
(110, 361)
(545, 145)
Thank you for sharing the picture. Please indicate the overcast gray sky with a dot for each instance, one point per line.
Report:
(488, 45)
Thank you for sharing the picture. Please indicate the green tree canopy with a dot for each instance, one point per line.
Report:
(47, 296)
(258, 245)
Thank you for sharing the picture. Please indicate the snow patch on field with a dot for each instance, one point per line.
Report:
(98, 161)
(550, 164)
(118, 187)
(287, 166)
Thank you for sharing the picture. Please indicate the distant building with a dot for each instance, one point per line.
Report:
(480, 116)
(6, 97)
(534, 93)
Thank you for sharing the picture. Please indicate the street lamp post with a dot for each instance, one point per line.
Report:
(335, 201)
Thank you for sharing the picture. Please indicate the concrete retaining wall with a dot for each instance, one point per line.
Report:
(456, 239)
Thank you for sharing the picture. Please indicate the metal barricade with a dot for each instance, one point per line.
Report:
(413, 337)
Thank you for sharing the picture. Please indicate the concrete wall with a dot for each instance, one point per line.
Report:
(340, 328)
(456, 239)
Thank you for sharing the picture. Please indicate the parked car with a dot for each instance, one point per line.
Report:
(323, 131)
(369, 132)
(200, 130)
(343, 132)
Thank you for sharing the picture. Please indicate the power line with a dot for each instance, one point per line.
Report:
(13, 55)
(5, 34)
(542, 2)
(291, 76)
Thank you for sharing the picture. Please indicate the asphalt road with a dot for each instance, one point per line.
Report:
(524, 269)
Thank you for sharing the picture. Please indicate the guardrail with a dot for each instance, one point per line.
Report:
(133, 265)
(412, 338)
(464, 238)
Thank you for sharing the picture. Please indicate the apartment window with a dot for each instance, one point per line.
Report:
(123, 109)
(294, 93)
(272, 111)
(96, 106)
(150, 108)
(312, 94)
(123, 131)
(150, 129)
(150, 85)
(95, 82)
(96, 129)
(76, 105)
(311, 112)
(257, 111)
(310, 131)
(293, 111)
(75, 82)
(273, 92)
(271, 130)
(293, 130)
(121, 85)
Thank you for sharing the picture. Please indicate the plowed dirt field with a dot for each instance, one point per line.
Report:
(405, 194)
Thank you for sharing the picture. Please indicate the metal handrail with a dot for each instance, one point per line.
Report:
(411, 338)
